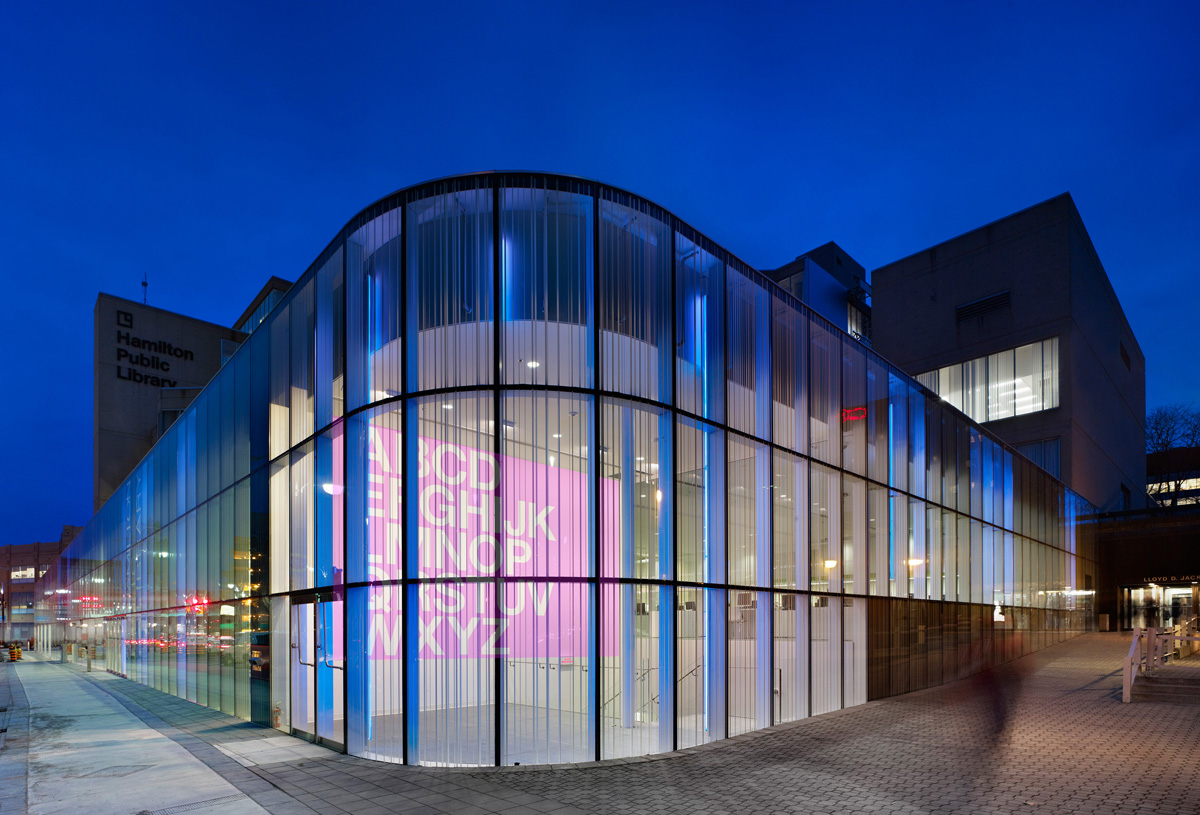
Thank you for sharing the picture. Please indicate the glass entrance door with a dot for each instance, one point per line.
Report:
(1156, 605)
(318, 665)
(331, 673)
(304, 661)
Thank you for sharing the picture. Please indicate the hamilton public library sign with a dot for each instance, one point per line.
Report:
(143, 361)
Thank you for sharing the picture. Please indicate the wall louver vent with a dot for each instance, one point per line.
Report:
(982, 306)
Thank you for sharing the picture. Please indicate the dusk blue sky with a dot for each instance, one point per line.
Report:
(211, 146)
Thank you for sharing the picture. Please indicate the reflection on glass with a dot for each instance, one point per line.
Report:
(375, 679)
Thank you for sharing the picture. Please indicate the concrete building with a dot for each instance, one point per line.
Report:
(1016, 324)
(141, 355)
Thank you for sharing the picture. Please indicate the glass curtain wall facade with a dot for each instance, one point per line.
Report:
(525, 469)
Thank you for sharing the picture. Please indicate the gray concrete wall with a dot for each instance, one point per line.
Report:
(1109, 438)
(1043, 257)
(914, 299)
(139, 350)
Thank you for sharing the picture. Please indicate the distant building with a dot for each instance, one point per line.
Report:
(1016, 324)
(21, 565)
(1173, 476)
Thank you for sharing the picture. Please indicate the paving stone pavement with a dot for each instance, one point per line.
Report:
(1046, 733)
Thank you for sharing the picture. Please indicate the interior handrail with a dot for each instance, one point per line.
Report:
(636, 677)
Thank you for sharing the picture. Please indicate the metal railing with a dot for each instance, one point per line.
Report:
(1152, 648)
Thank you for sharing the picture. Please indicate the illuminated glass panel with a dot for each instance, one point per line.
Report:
(450, 287)
(636, 657)
(455, 639)
(790, 518)
(789, 374)
(635, 307)
(546, 285)
(699, 324)
(748, 322)
(700, 666)
(790, 627)
(637, 498)
(700, 502)
(749, 529)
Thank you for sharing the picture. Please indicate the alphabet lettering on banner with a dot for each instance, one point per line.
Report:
(517, 593)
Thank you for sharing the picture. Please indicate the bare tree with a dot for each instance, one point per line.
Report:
(1191, 430)
(1172, 427)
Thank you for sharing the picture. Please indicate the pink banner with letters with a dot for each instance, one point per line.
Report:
(542, 532)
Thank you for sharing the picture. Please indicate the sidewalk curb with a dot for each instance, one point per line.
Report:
(14, 742)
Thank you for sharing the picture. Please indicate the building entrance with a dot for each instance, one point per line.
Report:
(318, 672)
(1157, 605)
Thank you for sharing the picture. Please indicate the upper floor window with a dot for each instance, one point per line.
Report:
(1009, 383)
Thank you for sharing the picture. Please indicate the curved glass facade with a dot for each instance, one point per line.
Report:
(525, 469)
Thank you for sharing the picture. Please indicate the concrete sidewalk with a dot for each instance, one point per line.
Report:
(1046, 733)
(82, 749)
